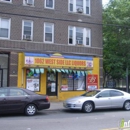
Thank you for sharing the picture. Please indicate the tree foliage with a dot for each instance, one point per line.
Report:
(116, 38)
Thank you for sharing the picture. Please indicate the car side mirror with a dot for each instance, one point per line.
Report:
(99, 96)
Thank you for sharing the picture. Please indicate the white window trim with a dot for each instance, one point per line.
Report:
(25, 4)
(31, 28)
(84, 36)
(52, 32)
(8, 28)
(6, 1)
(89, 31)
(84, 7)
(49, 7)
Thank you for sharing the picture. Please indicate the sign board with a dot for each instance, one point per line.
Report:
(32, 84)
(58, 62)
(92, 82)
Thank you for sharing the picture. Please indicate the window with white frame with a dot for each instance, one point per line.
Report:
(79, 6)
(27, 30)
(49, 4)
(79, 36)
(49, 32)
(6, 1)
(4, 28)
(28, 2)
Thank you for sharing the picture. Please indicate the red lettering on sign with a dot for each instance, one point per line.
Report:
(60, 62)
(50, 61)
(39, 61)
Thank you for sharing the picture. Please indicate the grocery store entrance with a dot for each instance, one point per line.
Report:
(52, 83)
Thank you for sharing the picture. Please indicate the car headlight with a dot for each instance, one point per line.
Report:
(77, 101)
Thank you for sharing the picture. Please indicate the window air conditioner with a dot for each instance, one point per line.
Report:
(80, 10)
(29, 2)
(79, 42)
(27, 37)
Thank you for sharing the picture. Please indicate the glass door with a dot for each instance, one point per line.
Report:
(51, 84)
(1, 77)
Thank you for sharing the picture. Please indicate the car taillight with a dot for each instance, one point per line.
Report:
(47, 98)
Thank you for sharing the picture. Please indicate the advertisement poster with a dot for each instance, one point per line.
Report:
(92, 82)
(64, 87)
(32, 84)
(53, 87)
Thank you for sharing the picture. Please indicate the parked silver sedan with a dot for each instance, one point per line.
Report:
(99, 99)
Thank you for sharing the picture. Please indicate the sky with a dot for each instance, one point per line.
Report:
(105, 2)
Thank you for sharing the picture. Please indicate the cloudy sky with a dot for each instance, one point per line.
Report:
(105, 2)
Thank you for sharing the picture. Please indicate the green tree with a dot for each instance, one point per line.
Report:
(116, 39)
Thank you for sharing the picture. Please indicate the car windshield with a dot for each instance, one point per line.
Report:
(90, 93)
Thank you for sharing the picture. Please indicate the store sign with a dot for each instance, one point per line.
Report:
(58, 62)
(92, 82)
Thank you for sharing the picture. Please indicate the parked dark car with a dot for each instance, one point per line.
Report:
(20, 100)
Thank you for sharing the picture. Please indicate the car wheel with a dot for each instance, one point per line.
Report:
(30, 110)
(88, 107)
(127, 105)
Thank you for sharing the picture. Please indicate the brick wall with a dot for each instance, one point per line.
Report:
(61, 19)
(13, 68)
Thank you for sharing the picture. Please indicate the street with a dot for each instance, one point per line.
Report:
(62, 119)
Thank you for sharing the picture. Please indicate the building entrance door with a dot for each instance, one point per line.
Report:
(51, 84)
(1, 77)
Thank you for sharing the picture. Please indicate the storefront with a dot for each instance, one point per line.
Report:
(4, 67)
(59, 76)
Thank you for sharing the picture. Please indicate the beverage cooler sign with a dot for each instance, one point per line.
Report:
(92, 82)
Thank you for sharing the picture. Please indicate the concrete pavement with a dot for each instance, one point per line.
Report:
(56, 106)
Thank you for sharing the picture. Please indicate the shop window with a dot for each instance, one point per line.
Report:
(72, 82)
(4, 70)
(32, 80)
(79, 82)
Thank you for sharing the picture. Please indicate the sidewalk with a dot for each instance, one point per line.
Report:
(56, 105)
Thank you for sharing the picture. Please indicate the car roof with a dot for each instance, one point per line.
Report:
(12, 87)
(102, 89)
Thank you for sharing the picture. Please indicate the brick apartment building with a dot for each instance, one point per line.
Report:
(51, 46)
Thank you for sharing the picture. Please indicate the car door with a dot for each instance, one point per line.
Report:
(103, 100)
(17, 99)
(117, 98)
(3, 99)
